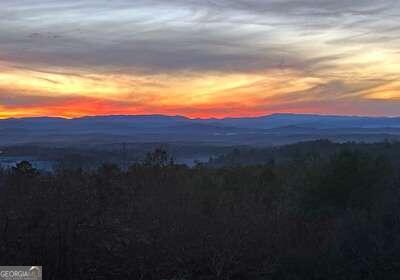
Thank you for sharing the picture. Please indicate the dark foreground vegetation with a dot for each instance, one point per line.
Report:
(332, 212)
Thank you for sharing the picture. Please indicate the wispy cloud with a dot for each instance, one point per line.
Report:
(161, 50)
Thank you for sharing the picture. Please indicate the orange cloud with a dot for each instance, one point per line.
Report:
(74, 93)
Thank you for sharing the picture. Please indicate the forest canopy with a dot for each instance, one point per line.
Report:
(314, 210)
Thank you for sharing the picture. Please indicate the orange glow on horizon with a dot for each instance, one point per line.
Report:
(77, 93)
(196, 95)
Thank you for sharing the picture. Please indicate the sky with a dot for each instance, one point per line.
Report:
(199, 58)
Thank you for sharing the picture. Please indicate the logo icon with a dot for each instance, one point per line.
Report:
(35, 272)
(20, 273)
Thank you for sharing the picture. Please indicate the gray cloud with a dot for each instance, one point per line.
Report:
(11, 99)
(175, 35)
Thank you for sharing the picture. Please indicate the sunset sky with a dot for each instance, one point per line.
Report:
(199, 58)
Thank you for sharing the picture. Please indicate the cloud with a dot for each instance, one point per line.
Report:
(164, 53)
(163, 36)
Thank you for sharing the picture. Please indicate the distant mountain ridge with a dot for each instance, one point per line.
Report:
(162, 128)
(262, 122)
(160, 117)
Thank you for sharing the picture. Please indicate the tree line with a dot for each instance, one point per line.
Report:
(314, 215)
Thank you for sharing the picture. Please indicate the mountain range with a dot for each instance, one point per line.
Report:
(265, 130)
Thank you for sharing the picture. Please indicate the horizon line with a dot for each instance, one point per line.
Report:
(202, 118)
